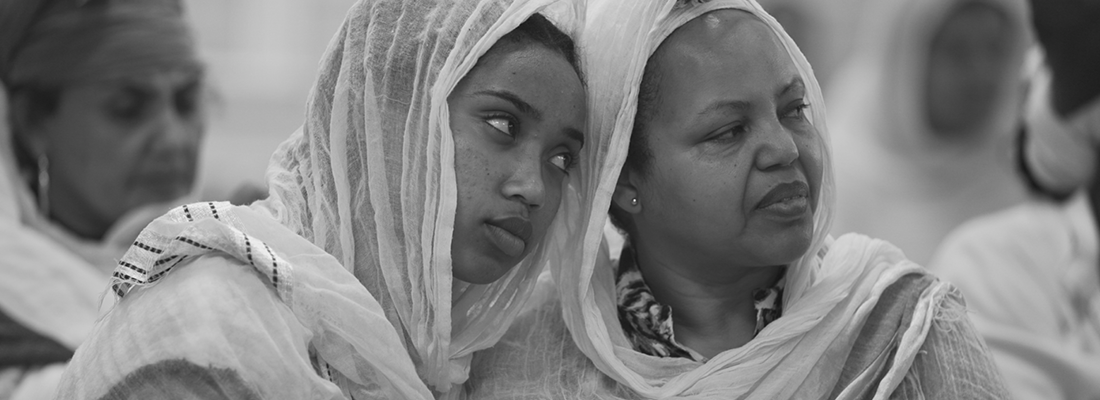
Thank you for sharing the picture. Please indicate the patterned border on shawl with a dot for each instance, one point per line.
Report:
(213, 229)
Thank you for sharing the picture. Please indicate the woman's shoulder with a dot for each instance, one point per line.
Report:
(952, 362)
(895, 307)
(214, 313)
(215, 280)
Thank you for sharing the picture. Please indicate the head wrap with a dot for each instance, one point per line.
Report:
(356, 235)
(67, 43)
(899, 181)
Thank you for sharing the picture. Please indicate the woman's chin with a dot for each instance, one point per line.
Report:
(481, 271)
(786, 249)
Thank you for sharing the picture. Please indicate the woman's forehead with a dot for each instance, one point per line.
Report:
(712, 38)
(723, 53)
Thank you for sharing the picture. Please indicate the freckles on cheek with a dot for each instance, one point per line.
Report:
(473, 173)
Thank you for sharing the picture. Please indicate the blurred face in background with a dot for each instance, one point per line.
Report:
(113, 146)
(969, 58)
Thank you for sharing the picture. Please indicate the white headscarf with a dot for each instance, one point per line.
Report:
(370, 177)
(898, 181)
(356, 236)
(829, 291)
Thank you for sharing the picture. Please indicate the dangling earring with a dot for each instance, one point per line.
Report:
(44, 184)
(634, 201)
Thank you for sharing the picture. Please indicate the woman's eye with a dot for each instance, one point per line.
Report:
(799, 111)
(187, 100)
(564, 161)
(730, 134)
(129, 105)
(504, 125)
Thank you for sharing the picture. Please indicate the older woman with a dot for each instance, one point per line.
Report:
(408, 220)
(101, 125)
(730, 286)
(924, 114)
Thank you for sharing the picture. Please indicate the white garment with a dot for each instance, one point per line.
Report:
(896, 180)
(1031, 274)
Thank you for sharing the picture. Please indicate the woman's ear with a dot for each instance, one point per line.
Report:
(626, 194)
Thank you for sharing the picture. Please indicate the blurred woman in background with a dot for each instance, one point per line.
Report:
(924, 115)
(101, 127)
(1031, 273)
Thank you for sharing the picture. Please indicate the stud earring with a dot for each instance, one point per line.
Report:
(44, 184)
(634, 201)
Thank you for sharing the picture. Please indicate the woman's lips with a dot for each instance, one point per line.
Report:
(787, 200)
(510, 234)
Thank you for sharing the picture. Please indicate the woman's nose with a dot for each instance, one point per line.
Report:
(174, 130)
(777, 147)
(525, 183)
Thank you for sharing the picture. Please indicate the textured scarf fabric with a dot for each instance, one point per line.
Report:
(896, 179)
(355, 240)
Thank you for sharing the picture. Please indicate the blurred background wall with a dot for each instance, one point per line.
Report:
(262, 57)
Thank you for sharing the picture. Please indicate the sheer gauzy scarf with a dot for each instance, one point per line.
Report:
(829, 292)
(886, 152)
(356, 236)
(370, 177)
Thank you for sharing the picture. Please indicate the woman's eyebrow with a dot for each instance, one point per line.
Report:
(795, 84)
(726, 106)
(575, 135)
(510, 97)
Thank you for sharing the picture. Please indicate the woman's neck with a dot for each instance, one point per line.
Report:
(712, 305)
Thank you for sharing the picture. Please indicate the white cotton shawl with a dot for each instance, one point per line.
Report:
(895, 179)
(827, 297)
(355, 239)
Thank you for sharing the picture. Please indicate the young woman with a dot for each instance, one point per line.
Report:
(719, 172)
(408, 220)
